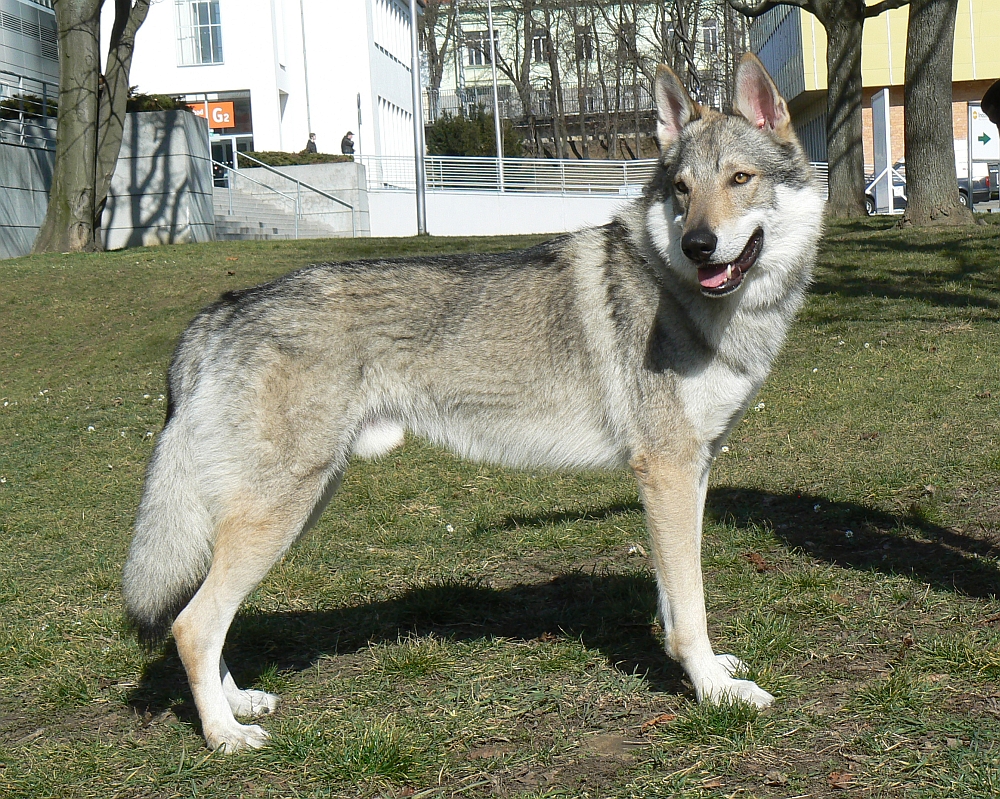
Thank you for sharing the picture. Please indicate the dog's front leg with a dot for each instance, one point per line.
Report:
(674, 498)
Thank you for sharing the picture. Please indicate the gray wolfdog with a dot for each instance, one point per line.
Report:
(638, 344)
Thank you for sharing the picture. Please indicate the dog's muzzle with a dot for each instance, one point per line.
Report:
(718, 280)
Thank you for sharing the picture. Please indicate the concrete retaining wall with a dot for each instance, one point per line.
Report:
(344, 180)
(490, 214)
(161, 190)
(25, 177)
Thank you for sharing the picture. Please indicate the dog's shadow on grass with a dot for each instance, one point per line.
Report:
(609, 611)
(855, 536)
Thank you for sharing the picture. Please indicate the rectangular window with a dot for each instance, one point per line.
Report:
(199, 32)
(584, 44)
(540, 45)
(710, 35)
(478, 48)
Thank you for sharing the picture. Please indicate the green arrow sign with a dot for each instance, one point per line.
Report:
(984, 139)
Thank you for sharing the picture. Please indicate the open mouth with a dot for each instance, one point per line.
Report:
(718, 280)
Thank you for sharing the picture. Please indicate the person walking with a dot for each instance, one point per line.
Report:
(347, 144)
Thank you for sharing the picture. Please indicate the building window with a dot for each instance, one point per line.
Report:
(478, 48)
(710, 35)
(584, 43)
(199, 32)
(540, 46)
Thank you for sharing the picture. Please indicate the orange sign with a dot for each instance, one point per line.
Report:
(219, 115)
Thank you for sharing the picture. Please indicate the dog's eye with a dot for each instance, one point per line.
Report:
(741, 177)
(681, 187)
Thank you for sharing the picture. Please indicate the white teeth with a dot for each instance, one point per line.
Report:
(729, 272)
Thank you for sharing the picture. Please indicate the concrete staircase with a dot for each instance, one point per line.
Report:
(258, 219)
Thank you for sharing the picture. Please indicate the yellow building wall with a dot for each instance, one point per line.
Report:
(883, 47)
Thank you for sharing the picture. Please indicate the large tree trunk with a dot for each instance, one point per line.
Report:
(114, 94)
(69, 221)
(932, 183)
(845, 152)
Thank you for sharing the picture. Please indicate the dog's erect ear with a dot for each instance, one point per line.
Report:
(757, 97)
(674, 106)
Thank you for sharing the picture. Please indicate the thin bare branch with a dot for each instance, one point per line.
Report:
(885, 5)
(756, 9)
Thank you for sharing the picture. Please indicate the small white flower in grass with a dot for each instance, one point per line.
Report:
(759, 406)
(3, 480)
(848, 534)
(145, 396)
(449, 528)
(123, 434)
(724, 449)
(90, 428)
(840, 343)
(816, 508)
(6, 404)
(815, 370)
(867, 345)
(149, 434)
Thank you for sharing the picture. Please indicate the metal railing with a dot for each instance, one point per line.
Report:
(519, 175)
(27, 111)
(234, 174)
(531, 175)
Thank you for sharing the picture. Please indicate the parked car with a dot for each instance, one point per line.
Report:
(982, 190)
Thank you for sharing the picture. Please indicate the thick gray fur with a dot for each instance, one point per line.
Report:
(597, 349)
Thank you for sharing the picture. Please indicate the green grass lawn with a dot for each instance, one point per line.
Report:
(453, 629)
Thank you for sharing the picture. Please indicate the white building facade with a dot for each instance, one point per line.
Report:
(268, 72)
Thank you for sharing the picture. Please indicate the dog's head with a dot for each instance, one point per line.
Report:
(736, 207)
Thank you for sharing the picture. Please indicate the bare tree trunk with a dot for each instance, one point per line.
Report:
(558, 110)
(435, 14)
(113, 97)
(932, 194)
(844, 23)
(844, 148)
(69, 221)
(582, 79)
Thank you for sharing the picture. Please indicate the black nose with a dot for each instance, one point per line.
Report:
(699, 244)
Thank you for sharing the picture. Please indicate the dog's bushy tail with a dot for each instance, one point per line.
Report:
(172, 547)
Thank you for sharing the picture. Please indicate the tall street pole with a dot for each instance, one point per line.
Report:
(496, 98)
(418, 122)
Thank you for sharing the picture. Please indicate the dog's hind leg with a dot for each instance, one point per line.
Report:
(249, 703)
(250, 539)
(674, 498)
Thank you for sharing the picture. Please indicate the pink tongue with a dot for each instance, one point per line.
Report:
(711, 277)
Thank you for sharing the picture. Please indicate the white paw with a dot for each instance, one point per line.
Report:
(739, 691)
(720, 687)
(730, 663)
(237, 737)
(250, 704)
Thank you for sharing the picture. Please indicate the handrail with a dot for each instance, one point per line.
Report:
(285, 175)
(296, 200)
(566, 177)
(299, 185)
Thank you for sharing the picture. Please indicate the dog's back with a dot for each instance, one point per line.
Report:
(639, 343)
